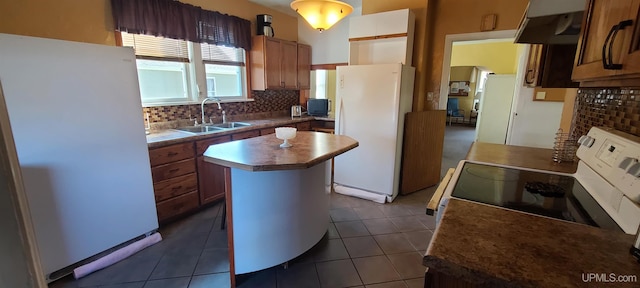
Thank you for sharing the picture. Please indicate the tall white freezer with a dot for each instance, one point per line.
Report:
(371, 102)
(495, 108)
(77, 124)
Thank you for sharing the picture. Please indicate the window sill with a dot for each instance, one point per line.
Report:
(194, 102)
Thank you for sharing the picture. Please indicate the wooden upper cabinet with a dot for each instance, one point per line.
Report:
(273, 64)
(533, 65)
(550, 66)
(602, 35)
(304, 67)
(631, 54)
(289, 66)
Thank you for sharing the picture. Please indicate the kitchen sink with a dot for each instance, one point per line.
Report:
(200, 129)
(230, 125)
(213, 127)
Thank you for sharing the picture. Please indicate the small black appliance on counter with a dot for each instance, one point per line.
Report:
(318, 107)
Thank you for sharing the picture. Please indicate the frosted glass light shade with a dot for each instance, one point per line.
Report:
(321, 14)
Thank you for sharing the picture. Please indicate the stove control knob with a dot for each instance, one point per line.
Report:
(589, 142)
(628, 161)
(634, 170)
(582, 139)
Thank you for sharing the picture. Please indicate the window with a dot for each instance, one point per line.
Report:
(174, 72)
(225, 70)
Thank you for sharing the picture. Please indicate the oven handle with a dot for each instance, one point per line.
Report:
(432, 206)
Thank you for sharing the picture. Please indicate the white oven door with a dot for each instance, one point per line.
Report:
(442, 194)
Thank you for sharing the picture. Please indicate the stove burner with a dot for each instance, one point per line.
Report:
(545, 189)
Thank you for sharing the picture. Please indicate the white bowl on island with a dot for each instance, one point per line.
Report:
(286, 133)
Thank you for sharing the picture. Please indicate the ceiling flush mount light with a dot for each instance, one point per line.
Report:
(321, 14)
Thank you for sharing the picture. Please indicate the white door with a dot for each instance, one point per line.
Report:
(495, 109)
(368, 97)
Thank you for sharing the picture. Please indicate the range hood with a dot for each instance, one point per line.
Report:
(551, 22)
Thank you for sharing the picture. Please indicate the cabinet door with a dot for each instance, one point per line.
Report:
(272, 63)
(392, 23)
(289, 65)
(362, 26)
(245, 135)
(600, 17)
(304, 66)
(210, 180)
(533, 66)
(303, 126)
(631, 58)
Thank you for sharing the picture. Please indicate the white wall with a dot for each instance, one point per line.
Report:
(330, 46)
(536, 122)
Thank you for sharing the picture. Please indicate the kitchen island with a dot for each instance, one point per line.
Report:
(277, 199)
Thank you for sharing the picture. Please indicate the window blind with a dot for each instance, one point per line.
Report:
(213, 54)
(156, 48)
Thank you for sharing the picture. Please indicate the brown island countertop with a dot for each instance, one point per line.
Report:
(265, 154)
(494, 247)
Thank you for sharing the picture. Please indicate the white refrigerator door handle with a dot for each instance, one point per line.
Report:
(340, 116)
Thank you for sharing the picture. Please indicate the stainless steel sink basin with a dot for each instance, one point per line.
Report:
(213, 127)
(231, 125)
(200, 129)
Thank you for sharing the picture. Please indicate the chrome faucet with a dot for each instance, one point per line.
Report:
(202, 107)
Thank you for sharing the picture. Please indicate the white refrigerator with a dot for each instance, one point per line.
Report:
(495, 108)
(371, 102)
(78, 129)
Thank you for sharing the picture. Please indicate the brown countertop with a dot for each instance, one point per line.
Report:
(264, 153)
(172, 136)
(495, 247)
(519, 156)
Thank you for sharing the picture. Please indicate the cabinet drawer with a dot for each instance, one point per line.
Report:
(171, 153)
(173, 187)
(176, 169)
(245, 135)
(178, 205)
(267, 131)
(304, 126)
(202, 145)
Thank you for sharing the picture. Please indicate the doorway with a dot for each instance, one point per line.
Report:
(468, 61)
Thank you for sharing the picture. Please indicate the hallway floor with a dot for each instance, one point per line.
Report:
(367, 245)
(457, 140)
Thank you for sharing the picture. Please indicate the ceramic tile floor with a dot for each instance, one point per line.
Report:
(367, 245)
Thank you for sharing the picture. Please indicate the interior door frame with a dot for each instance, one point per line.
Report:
(446, 67)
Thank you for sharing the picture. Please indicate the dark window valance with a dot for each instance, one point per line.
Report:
(176, 20)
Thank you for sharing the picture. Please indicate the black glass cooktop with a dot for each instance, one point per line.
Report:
(546, 194)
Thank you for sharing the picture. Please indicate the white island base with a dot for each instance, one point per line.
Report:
(277, 215)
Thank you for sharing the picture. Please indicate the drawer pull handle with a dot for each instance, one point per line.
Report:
(174, 170)
(176, 188)
(171, 154)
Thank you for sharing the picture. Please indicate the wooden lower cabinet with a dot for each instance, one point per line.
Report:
(303, 126)
(178, 205)
(173, 170)
(245, 135)
(267, 131)
(211, 179)
(210, 176)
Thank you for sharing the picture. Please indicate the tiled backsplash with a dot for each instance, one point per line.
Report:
(618, 108)
(264, 102)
